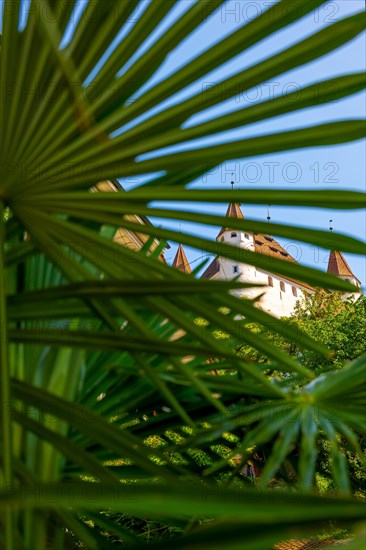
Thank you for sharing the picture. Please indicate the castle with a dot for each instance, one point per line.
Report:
(280, 293)
(134, 240)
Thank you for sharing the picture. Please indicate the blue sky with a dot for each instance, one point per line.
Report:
(342, 166)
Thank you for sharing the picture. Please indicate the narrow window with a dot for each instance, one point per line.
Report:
(222, 239)
(282, 286)
(270, 281)
(246, 236)
(235, 269)
(233, 234)
(294, 291)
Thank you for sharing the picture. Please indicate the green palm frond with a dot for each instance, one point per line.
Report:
(107, 350)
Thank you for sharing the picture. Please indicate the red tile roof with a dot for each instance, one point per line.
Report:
(265, 244)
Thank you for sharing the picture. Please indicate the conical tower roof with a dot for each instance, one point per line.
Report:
(233, 211)
(181, 262)
(338, 265)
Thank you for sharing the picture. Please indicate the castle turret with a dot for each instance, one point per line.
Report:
(181, 262)
(338, 265)
(234, 236)
(278, 295)
(232, 268)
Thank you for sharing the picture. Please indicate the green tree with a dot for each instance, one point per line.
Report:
(95, 338)
(340, 325)
(327, 318)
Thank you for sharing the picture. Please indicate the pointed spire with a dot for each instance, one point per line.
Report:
(181, 262)
(233, 211)
(338, 265)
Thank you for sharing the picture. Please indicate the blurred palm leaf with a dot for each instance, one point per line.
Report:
(95, 337)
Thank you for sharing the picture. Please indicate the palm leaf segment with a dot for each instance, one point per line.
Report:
(71, 377)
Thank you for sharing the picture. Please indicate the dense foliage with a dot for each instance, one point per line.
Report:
(338, 323)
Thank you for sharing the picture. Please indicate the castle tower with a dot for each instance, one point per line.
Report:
(231, 268)
(279, 294)
(181, 262)
(338, 265)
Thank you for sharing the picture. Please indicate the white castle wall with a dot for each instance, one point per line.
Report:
(353, 295)
(279, 299)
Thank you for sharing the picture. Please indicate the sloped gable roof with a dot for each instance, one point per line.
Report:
(211, 270)
(267, 245)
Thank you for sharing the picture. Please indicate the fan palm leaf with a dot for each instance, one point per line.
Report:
(97, 338)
